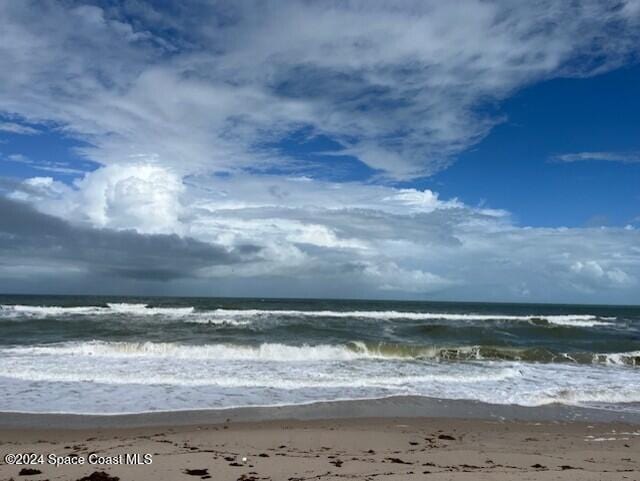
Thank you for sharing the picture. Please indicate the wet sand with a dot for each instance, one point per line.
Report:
(490, 443)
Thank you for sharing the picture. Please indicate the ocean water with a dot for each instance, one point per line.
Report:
(116, 355)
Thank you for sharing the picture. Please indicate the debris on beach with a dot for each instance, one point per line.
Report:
(29, 472)
(197, 472)
(99, 476)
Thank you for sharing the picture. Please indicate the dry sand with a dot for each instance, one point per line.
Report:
(374, 449)
(360, 448)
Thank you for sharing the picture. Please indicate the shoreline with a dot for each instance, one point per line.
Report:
(382, 408)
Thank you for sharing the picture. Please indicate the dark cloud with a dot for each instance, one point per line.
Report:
(26, 234)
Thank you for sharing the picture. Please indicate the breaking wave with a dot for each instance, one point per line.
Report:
(570, 319)
(276, 352)
(313, 380)
(232, 316)
(17, 310)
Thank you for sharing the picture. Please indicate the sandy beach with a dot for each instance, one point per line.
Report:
(533, 444)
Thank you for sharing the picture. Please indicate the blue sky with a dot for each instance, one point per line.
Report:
(513, 168)
(476, 151)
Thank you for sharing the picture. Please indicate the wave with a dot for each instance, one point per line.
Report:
(619, 358)
(236, 381)
(593, 396)
(17, 310)
(43, 311)
(99, 375)
(355, 350)
(231, 316)
(145, 310)
(495, 353)
(222, 352)
(575, 319)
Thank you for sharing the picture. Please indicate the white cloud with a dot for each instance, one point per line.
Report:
(14, 128)
(419, 201)
(403, 86)
(390, 277)
(353, 239)
(47, 166)
(144, 197)
(622, 157)
(50, 196)
(594, 273)
(253, 191)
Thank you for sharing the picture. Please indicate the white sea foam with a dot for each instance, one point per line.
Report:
(17, 310)
(226, 352)
(391, 315)
(274, 352)
(231, 316)
(268, 365)
(145, 310)
(45, 311)
(229, 380)
(618, 358)
(576, 321)
(170, 375)
(278, 352)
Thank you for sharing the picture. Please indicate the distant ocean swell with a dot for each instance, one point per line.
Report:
(120, 355)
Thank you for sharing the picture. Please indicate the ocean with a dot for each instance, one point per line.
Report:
(108, 355)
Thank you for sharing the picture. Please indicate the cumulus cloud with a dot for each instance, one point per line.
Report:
(142, 196)
(359, 240)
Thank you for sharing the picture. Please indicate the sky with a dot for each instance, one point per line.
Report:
(464, 151)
